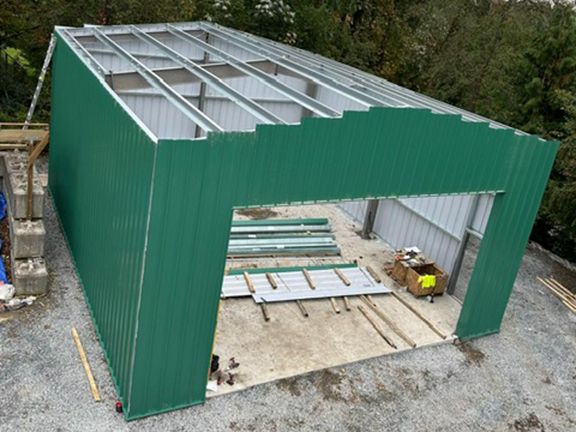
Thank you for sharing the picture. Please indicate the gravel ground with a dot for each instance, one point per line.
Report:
(523, 379)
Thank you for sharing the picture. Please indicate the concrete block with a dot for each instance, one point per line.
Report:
(27, 238)
(10, 158)
(17, 165)
(15, 185)
(29, 276)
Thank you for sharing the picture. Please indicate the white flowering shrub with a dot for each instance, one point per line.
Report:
(276, 20)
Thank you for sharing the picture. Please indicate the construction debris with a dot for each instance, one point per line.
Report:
(16, 303)
(218, 376)
(6, 292)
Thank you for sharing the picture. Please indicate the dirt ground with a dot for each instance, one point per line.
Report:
(522, 379)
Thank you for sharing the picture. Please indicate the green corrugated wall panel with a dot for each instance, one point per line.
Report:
(100, 178)
(380, 153)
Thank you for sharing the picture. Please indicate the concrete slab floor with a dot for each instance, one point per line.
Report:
(290, 344)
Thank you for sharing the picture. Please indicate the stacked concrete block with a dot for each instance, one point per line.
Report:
(27, 236)
(29, 276)
(16, 185)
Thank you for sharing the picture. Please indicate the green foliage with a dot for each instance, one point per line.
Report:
(513, 61)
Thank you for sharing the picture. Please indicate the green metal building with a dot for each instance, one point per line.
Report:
(160, 131)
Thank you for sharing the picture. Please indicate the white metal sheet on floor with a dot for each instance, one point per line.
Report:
(326, 281)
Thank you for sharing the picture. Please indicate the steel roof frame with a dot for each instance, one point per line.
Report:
(99, 69)
(377, 87)
(131, 80)
(344, 80)
(419, 99)
(307, 73)
(299, 97)
(210, 79)
(136, 54)
(189, 110)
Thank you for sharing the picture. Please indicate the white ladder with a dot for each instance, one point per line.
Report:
(45, 66)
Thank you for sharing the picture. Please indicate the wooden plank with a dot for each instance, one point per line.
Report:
(561, 295)
(389, 322)
(19, 135)
(271, 280)
(20, 124)
(369, 297)
(334, 305)
(86, 365)
(419, 315)
(569, 306)
(553, 288)
(29, 184)
(342, 276)
(311, 283)
(38, 149)
(376, 327)
(374, 275)
(249, 282)
(563, 288)
(9, 146)
(265, 311)
(347, 304)
(302, 308)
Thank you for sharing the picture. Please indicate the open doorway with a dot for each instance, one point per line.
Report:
(326, 332)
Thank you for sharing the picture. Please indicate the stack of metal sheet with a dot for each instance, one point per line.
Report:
(292, 284)
(272, 237)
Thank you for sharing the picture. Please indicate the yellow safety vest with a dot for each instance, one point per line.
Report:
(427, 281)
